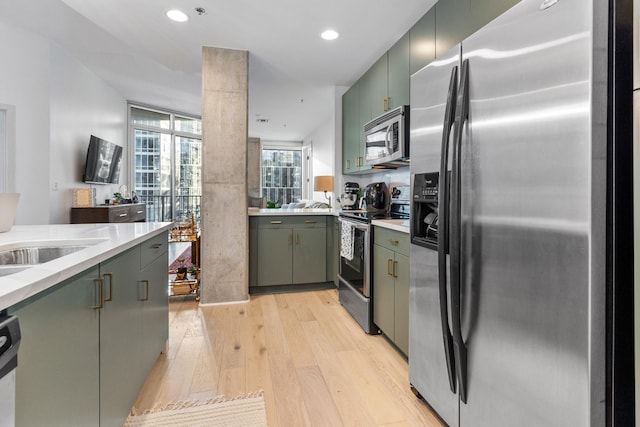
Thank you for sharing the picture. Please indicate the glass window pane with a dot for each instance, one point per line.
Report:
(140, 116)
(185, 124)
(281, 175)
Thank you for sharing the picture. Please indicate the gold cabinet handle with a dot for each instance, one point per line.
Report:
(309, 221)
(297, 238)
(110, 276)
(395, 264)
(385, 104)
(394, 242)
(276, 222)
(146, 283)
(100, 283)
(348, 164)
(389, 267)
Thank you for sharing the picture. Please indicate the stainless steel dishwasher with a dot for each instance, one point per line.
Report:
(9, 343)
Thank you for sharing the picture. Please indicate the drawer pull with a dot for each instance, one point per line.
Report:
(309, 221)
(394, 242)
(110, 276)
(123, 215)
(139, 212)
(276, 222)
(156, 246)
(100, 283)
(146, 283)
(389, 266)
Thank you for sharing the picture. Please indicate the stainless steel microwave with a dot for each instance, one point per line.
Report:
(387, 138)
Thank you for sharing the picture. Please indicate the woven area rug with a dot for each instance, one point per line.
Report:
(243, 411)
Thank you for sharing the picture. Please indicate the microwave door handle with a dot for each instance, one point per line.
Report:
(387, 140)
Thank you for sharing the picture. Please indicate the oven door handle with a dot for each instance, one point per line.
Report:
(358, 225)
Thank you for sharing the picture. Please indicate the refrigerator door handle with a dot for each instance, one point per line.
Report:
(459, 347)
(443, 227)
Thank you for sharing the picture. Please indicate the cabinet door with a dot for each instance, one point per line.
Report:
(453, 23)
(401, 270)
(154, 302)
(275, 256)
(57, 378)
(383, 291)
(350, 128)
(378, 88)
(423, 41)
(310, 255)
(120, 338)
(398, 80)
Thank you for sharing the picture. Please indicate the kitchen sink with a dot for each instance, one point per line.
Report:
(36, 255)
(18, 257)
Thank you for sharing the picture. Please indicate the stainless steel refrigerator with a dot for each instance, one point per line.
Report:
(521, 309)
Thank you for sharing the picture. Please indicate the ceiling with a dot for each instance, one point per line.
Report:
(293, 73)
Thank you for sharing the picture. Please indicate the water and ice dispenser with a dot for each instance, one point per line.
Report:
(424, 213)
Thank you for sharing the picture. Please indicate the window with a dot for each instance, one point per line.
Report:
(167, 154)
(282, 174)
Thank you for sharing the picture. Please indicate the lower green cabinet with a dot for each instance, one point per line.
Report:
(391, 285)
(58, 373)
(89, 343)
(290, 250)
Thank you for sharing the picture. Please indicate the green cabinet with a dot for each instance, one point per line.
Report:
(391, 285)
(58, 377)
(291, 250)
(423, 42)
(90, 342)
(398, 81)
(383, 87)
(351, 129)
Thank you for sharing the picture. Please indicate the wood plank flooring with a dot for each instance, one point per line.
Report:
(315, 364)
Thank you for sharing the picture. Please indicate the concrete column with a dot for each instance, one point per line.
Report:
(224, 257)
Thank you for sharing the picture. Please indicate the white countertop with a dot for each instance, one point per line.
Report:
(401, 225)
(278, 212)
(104, 240)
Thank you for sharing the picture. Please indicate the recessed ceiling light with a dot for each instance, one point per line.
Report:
(177, 15)
(330, 35)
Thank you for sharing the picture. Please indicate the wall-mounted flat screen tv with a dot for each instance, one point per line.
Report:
(103, 162)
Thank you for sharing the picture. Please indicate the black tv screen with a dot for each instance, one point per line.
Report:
(103, 162)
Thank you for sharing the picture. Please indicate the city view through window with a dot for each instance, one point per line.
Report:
(168, 164)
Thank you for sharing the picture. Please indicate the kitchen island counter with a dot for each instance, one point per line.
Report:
(102, 241)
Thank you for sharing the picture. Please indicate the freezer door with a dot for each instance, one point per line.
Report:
(428, 369)
(525, 218)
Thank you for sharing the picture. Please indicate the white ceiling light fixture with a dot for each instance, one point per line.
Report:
(177, 15)
(330, 35)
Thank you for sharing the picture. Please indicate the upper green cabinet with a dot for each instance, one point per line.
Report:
(423, 42)
(398, 73)
(383, 87)
(386, 85)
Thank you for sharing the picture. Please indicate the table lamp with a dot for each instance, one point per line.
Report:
(324, 183)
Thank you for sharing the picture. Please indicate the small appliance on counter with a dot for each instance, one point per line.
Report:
(349, 198)
(400, 206)
(375, 198)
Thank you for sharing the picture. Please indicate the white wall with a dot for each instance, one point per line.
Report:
(322, 146)
(58, 104)
(81, 105)
(24, 83)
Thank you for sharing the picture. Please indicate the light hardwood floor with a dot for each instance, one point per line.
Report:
(315, 364)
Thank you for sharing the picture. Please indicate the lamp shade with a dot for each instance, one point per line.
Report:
(323, 183)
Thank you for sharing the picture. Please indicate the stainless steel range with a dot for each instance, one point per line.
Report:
(356, 237)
